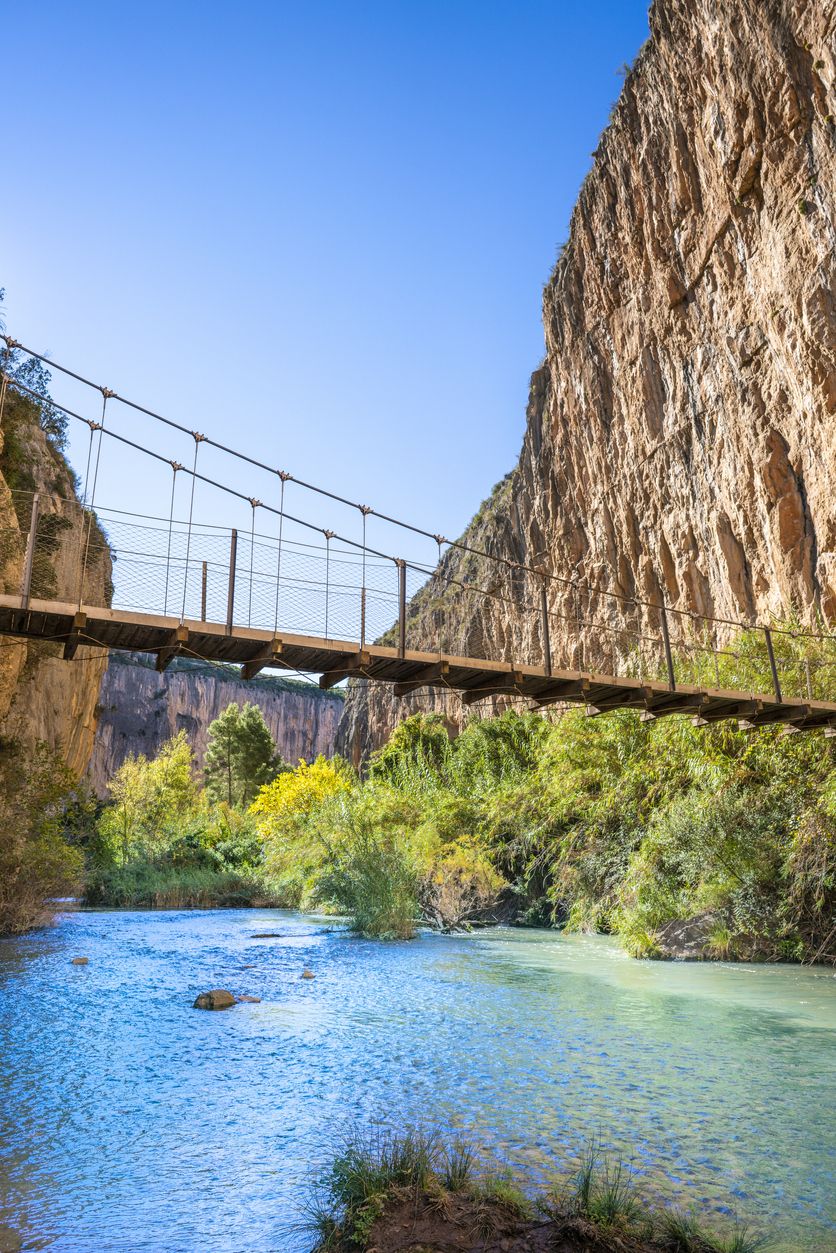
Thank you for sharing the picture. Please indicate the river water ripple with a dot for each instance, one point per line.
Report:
(129, 1122)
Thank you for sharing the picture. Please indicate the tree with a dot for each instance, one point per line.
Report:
(36, 864)
(241, 755)
(150, 800)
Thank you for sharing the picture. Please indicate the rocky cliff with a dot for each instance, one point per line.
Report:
(139, 709)
(681, 430)
(43, 697)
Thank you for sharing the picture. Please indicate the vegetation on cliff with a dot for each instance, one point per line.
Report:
(39, 796)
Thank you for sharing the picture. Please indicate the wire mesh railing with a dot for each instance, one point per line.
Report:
(286, 574)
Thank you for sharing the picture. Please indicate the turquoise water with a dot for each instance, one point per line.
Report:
(129, 1121)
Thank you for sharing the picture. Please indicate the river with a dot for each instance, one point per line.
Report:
(130, 1121)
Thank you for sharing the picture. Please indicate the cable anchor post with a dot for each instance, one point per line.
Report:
(401, 564)
(776, 683)
(544, 624)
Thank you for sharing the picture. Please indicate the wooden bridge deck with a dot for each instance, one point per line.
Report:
(472, 678)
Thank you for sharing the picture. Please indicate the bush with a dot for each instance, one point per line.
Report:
(371, 874)
(36, 863)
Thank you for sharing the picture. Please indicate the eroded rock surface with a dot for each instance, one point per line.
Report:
(681, 430)
(140, 709)
(42, 697)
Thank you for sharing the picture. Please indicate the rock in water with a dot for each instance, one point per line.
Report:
(250, 1000)
(307, 974)
(218, 998)
(79, 961)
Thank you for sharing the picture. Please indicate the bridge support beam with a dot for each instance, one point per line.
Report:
(176, 642)
(74, 638)
(272, 656)
(495, 685)
(31, 541)
(432, 675)
(562, 689)
(344, 667)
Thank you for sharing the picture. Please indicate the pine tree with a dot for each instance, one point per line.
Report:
(240, 756)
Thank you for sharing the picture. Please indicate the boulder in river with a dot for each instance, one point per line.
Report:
(218, 998)
(79, 961)
(307, 974)
(250, 1000)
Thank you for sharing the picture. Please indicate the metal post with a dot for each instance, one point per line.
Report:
(362, 618)
(30, 551)
(668, 654)
(767, 634)
(203, 578)
(401, 607)
(544, 628)
(230, 598)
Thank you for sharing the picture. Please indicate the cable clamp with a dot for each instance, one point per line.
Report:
(94, 426)
(255, 503)
(365, 510)
(197, 437)
(329, 535)
(440, 539)
(107, 393)
(11, 344)
(175, 465)
(284, 476)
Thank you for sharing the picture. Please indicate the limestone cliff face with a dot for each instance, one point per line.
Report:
(681, 430)
(42, 697)
(140, 709)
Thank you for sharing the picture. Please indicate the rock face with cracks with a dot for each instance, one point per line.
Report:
(681, 430)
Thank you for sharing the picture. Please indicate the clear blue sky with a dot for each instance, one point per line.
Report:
(318, 231)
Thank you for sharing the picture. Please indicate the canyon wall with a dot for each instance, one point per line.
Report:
(139, 709)
(43, 697)
(681, 429)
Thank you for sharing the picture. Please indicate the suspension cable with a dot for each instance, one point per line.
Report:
(198, 440)
(459, 545)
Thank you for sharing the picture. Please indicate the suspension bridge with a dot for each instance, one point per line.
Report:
(266, 587)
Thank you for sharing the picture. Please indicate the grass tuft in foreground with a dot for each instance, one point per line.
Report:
(392, 1192)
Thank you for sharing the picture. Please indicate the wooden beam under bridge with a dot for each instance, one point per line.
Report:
(337, 659)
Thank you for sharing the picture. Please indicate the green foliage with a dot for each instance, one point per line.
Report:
(161, 844)
(372, 874)
(350, 1195)
(36, 862)
(34, 376)
(240, 755)
(654, 830)
(417, 756)
(149, 801)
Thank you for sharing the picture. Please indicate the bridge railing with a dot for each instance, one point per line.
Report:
(56, 548)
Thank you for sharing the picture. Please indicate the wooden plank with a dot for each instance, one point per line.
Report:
(336, 659)
(557, 690)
